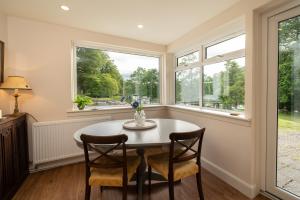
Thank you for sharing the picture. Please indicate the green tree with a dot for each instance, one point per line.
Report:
(97, 75)
(232, 85)
(208, 85)
(143, 82)
(289, 73)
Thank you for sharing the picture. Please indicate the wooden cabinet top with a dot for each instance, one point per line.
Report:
(11, 118)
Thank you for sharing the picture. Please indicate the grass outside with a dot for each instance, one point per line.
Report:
(289, 122)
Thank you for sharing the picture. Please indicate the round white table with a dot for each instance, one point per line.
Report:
(138, 139)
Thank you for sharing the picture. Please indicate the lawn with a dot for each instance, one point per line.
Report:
(289, 122)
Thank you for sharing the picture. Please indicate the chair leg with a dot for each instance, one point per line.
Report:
(149, 178)
(87, 192)
(137, 179)
(125, 192)
(101, 190)
(171, 189)
(199, 185)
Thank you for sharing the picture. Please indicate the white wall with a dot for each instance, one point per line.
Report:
(226, 147)
(41, 52)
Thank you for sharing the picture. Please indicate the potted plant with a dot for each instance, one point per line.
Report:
(82, 101)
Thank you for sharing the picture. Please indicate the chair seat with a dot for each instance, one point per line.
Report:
(113, 176)
(155, 150)
(160, 163)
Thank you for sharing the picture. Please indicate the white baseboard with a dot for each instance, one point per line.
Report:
(56, 163)
(247, 189)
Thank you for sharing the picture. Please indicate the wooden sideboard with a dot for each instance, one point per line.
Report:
(13, 154)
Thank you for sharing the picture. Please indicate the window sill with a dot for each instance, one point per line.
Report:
(218, 115)
(109, 110)
(212, 114)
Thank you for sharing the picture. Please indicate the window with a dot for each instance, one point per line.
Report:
(187, 79)
(115, 78)
(216, 80)
(188, 59)
(188, 86)
(231, 45)
(224, 85)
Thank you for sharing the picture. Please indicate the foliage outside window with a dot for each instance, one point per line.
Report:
(188, 59)
(188, 86)
(289, 67)
(217, 81)
(112, 78)
(224, 84)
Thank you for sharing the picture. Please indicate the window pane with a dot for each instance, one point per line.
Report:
(227, 46)
(112, 78)
(188, 59)
(187, 87)
(288, 137)
(224, 85)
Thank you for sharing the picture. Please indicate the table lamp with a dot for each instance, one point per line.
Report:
(15, 83)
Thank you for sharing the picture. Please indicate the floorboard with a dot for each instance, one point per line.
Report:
(68, 183)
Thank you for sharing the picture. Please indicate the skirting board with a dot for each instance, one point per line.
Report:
(60, 163)
(56, 163)
(251, 191)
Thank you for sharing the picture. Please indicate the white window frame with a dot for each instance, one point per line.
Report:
(117, 49)
(207, 61)
(187, 67)
(222, 57)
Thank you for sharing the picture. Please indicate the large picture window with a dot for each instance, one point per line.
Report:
(114, 78)
(214, 79)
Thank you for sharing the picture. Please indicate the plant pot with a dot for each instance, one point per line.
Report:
(80, 107)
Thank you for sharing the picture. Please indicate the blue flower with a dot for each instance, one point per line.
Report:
(135, 104)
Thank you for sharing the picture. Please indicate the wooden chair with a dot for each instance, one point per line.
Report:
(108, 169)
(180, 162)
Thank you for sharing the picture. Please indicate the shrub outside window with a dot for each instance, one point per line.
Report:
(188, 86)
(224, 85)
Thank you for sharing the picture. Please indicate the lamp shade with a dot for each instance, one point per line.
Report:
(15, 82)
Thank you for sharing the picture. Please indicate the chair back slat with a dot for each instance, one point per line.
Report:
(93, 143)
(186, 141)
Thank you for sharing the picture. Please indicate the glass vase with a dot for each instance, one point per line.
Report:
(140, 118)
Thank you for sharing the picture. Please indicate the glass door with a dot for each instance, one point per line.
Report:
(283, 106)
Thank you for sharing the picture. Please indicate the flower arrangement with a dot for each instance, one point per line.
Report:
(82, 101)
(139, 115)
(137, 105)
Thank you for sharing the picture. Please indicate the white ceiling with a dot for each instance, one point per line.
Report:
(164, 20)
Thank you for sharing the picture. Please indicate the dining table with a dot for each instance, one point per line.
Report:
(157, 136)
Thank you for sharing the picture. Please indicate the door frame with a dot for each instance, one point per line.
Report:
(269, 97)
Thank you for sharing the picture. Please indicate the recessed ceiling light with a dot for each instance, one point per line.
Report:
(65, 8)
(140, 26)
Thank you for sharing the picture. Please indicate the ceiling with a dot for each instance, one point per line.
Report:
(164, 20)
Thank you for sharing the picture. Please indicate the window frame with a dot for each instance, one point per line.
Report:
(117, 49)
(203, 61)
(188, 67)
(226, 56)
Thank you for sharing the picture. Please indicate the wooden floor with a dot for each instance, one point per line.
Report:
(68, 183)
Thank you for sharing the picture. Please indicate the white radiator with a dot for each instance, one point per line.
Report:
(52, 141)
